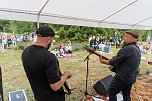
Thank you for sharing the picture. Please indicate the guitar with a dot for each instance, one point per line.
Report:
(113, 69)
(67, 87)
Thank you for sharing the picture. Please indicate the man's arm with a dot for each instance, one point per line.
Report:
(56, 86)
(104, 61)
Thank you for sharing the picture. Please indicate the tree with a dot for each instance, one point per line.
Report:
(4, 25)
(66, 32)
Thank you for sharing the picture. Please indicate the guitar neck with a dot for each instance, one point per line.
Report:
(100, 55)
(93, 52)
(67, 87)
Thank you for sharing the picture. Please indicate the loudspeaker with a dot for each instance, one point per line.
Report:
(18, 95)
(102, 86)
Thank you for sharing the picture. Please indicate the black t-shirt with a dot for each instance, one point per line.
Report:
(42, 69)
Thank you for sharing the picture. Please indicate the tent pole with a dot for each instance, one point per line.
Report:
(38, 23)
(43, 7)
(38, 15)
(142, 21)
(118, 11)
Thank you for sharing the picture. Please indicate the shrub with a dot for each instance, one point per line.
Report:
(79, 46)
(14, 47)
(22, 46)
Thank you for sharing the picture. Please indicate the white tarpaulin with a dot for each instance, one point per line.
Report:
(120, 14)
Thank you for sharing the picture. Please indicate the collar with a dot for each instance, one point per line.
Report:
(132, 43)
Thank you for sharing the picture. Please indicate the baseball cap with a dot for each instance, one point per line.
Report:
(133, 33)
(45, 31)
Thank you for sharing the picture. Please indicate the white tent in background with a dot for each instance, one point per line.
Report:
(120, 14)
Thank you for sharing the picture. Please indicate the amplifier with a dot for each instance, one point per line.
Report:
(18, 95)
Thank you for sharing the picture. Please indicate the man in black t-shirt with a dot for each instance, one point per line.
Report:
(127, 63)
(42, 68)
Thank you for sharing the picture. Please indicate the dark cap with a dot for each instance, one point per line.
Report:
(45, 31)
(133, 33)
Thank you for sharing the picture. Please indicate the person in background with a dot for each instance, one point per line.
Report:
(68, 49)
(116, 39)
(106, 48)
(61, 50)
(92, 43)
(4, 41)
(97, 44)
(42, 68)
(110, 41)
(9, 41)
(90, 39)
(126, 63)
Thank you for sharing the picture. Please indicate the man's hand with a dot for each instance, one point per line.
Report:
(67, 74)
(103, 60)
(56, 86)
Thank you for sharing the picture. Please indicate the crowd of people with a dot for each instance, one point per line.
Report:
(64, 51)
(145, 49)
(99, 43)
(7, 40)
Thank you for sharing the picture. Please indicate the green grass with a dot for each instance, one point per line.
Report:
(14, 77)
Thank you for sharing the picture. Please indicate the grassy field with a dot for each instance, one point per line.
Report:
(14, 77)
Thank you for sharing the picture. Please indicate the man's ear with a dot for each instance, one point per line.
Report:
(50, 39)
(132, 38)
(47, 39)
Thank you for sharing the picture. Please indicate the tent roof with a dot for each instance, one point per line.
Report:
(120, 14)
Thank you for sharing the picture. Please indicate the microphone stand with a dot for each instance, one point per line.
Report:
(1, 86)
(87, 58)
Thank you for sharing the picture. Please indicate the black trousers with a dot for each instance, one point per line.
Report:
(117, 86)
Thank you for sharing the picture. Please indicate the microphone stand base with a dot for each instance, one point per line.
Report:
(86, 93)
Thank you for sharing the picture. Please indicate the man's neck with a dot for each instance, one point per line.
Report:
(39, 44)
(131, 43)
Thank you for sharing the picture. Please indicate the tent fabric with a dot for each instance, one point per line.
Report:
(119, 14)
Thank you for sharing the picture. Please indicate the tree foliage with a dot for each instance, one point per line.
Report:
(66, 32)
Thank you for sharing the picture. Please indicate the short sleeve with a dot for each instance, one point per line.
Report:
(52, 68)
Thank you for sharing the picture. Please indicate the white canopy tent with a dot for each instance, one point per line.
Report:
(120, 14)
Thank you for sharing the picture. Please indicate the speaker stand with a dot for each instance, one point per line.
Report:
(87, 74)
